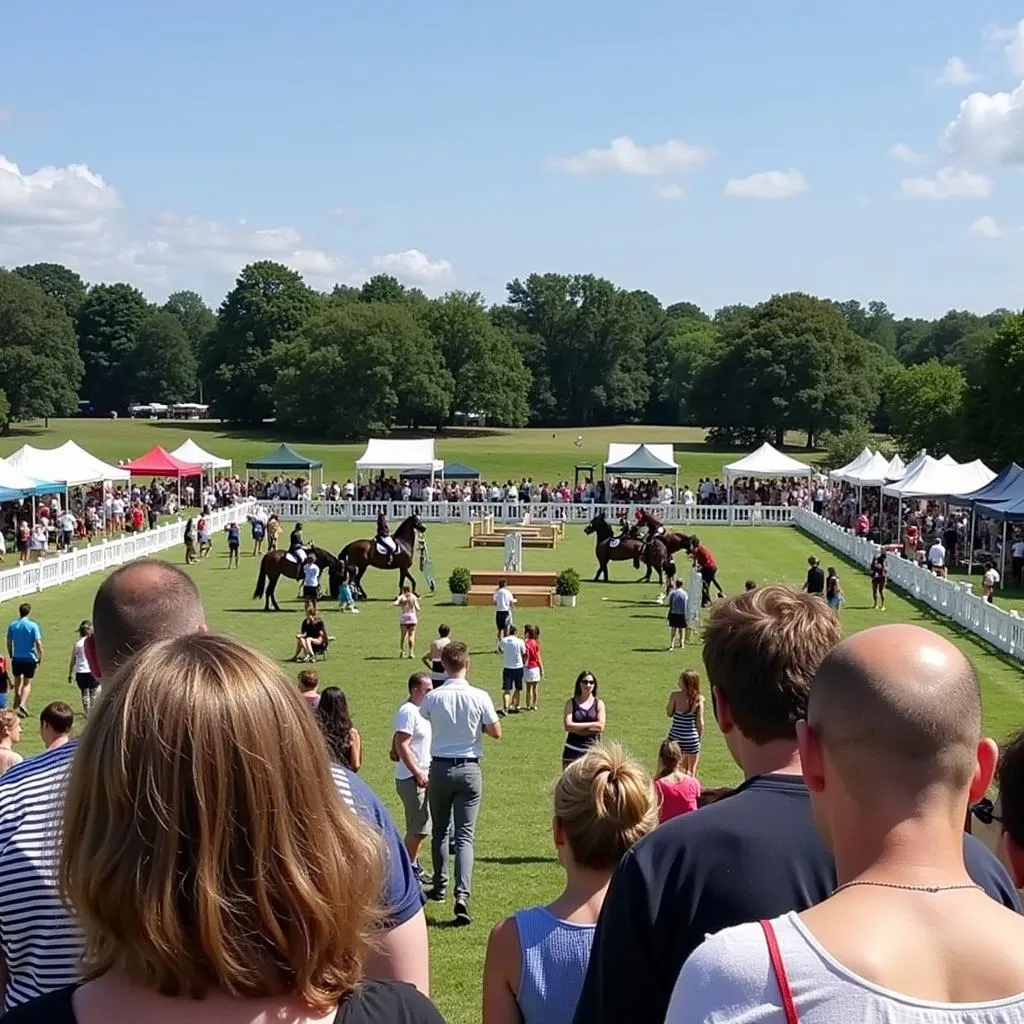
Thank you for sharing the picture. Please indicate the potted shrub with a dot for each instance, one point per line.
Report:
(459, 583)
(567, 586)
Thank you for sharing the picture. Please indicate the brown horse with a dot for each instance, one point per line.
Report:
(627, 549)
(673, 541)
(276, 564)
(360, 555)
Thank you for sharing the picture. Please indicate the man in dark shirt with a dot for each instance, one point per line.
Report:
(755, 854)
(815, 578)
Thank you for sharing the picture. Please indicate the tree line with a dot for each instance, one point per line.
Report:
(560, 350)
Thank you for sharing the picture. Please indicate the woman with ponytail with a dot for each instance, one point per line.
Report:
(537, 958)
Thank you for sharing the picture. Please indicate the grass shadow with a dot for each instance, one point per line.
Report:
(649, 650)
(514, 860)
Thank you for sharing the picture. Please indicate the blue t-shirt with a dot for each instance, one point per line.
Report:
(258, 529)
(22, 635)
(677, 602)
(233, 534)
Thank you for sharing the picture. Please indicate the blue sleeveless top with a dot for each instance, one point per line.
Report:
(554, 956)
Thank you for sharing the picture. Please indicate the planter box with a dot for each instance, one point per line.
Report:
(567, 600)
(458, 598)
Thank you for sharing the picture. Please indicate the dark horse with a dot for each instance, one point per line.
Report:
(276, 564)
(673, 541)
(360, 555)
(626, 550)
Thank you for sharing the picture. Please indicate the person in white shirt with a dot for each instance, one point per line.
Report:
(410, 750)
(893, 755)
(310, 578)
(67, 530)
(937, 558)
(80, 671)
(989, 582)
(1017, 560)
(514, 650)
(503, 599)
(459, 715)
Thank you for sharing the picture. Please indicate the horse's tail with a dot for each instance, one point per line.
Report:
(261, 581)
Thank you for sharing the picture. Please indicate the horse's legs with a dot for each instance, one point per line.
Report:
(359, 581)
(271, 596)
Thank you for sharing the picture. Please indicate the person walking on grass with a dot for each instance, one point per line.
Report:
(686, 709)
(410, 750)
(533, 671)
(678, 790)
(346, 599)
(258, 529)
(834, 590)
(584, 718)
(537, 958)
(879, 578)
(234, 542)
(408, 605)
(25, 649)
(512, 672)
(432, 659)
(80, 671)
(503, 599)
(190, 541)
(678, 608)
(815, 582)
(203, 536)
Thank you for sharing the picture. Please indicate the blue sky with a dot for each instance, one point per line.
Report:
(461, 145)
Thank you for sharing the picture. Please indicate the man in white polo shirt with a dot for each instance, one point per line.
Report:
(459, 715)
(410, 748)
(503, 599)
(937, 558)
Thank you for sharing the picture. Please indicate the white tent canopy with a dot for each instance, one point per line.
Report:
(897, 469)
(13, 479)
(189, 451)
(386, 453)
(872, 473)
(851, 467)
(663, 453)
(767, 461)
(70, 465)
(940, 478)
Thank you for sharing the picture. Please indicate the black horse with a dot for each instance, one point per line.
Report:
(610, 548)
(360, 555)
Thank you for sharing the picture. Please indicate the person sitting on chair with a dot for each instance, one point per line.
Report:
(311, 639)
(384, 538)
(296, 545)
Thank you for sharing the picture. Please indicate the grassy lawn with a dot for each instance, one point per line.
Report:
(541, 454)
(615, 631)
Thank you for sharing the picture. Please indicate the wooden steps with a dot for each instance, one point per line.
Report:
(526, 597)
(514, 579)
(485, 533)
(531, 589)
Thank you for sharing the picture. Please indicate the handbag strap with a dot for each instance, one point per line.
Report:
(779, 969)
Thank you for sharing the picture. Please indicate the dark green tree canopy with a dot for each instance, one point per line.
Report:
(108, 325)
(57, 281)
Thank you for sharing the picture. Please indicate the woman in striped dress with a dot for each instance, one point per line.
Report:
(686, 709)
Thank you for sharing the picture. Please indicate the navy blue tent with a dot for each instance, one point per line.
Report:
(1006, 486)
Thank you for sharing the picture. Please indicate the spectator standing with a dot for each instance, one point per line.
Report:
(309, 687)
(80, 671)
(815, 582)
(834, 590)
(310, 578)
(892, 754)
(273, 533)
(408, 605)
(677, 789)
(153, 765)
(410, 750)
(700, 873)
(686, 709)
(343, 739)
(678, 606)
(534, 666)
(137, 605)
(190, 541)
(937, 558)
(55, 724)
(25, 648)
(203, 536)
(22, 539)
(432, 659)
(5, 683)
(1017, 559)
(879, 578)
(536, 959)
(67, 529)
(234, 542)
(10, 733)
(459, 715)
(346, 599)
(584, 718)
(512, 672)
(503, 599)
(258, 529)
(989, 582)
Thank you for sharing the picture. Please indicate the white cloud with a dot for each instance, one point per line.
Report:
(948, 183)
(985, 227)
(624, 156)
(71, 195)
(1014, 49)
(988, 128)
(904, 154)
(767, 185)
(956, 72)
(414, 266)
(670, 192)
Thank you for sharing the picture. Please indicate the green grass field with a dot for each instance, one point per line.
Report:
(615, 631)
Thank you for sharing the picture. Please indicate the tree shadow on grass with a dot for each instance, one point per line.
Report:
(649, 650)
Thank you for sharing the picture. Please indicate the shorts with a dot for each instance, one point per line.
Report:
(86, 681)
(25, 668)
(65, 538)
(416, 806)
(531, 675)
(310, 593)
(511, 678)
(407, 620)
(502, 619)
(676, 621)
(232, 545)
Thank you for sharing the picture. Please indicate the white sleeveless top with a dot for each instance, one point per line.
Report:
(729, 980)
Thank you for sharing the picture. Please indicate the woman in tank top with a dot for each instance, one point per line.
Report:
(432, 659)
(584, 718)
(537, 958)
(686, 709)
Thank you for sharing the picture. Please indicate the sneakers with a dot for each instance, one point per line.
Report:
(21, 711)
(462, 912)
(436, 895)
(502, 712)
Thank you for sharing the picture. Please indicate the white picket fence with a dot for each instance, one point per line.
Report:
(1003, 629)
(105, 554)
(514, 512)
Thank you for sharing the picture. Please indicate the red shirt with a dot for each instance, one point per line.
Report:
(677, 797)
(137, 518)
(703, 557)
(532, 653)
(863, 525)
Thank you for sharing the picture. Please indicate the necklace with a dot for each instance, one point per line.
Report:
(909, 888)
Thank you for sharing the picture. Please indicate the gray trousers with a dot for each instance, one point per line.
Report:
(455, 792)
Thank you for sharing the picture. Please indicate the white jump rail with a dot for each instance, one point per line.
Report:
(1003, 629)
(106, 554)
(514, 512)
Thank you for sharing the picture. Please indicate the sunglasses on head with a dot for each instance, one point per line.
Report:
(984, 811)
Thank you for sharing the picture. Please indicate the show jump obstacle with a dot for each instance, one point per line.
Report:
(485, 533)
(531, 589)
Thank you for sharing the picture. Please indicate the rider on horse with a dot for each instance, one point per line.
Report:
(624, 527)
(296, 545)
(655, 528)
(384, 538)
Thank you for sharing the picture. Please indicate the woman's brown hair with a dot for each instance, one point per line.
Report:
(207, 847)
(670, 757)
(691, 683)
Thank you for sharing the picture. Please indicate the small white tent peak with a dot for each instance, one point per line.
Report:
(767, 461)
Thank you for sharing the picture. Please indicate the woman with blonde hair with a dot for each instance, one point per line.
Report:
(214, 879)
(408, 605)
(686, 709)
(537, 958)
(10, 733)
(678, 791)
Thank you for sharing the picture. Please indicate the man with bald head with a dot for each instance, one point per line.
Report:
(892, 754)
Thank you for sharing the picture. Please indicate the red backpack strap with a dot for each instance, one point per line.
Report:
(779, 969)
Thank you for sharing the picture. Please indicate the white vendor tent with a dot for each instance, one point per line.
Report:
(655, 458)
(70, 465)
(897, 469)
(767, 461)
(851, 467)
(189, 451)
(940, 478)
(387, 453)
(873, 473)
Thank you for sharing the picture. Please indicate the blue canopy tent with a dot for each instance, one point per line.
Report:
(452, 471)
(1001, 498)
